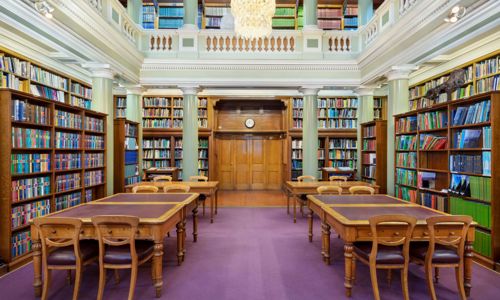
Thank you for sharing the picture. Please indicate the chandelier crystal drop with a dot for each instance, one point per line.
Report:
(253, 19)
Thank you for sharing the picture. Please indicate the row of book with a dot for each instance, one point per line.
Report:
(202, 113)
(68, 161)
(157, 102)
(338, 123)
(216, 11)
(336, 103)
(370, 158)
(157, 154)
(94, 124)
(471, 163)
(30, 163)
(487, 67)
(283, 23)
(94, 177)
(155, 143)
(48, 78)
(23, 214)
(480, 212)
(426, 180)
(369, 145)
(467, 138)
(203, 153)
(296, 165)
(407, 124)
(80, 102)
(30, 138)
(171, 11)
(342, 144)
(131, 143)
(132, 180)
(321, 154)
(406, 142)
(406, 160)
(433, 120)
(369, 171)
(161, 123)
(156, 112)
(121, 107)
(177, 112)
(202, 143)
(14, 65)
(202, 123)
(351, 22)
(81, 90)
(131, 170)
(23, 111)
(463, 92)
(488, 84)
(337, 112)
(433, 142)
(27, 188)
(178, 153)
(343, 164)
(472, 114)
(67, 182)
(202, 164)
(297, 123)
(47, 92)
(329, 13)
(131, 130)
(482, 243)
(66, 140)
(434, 201)
(13, 82)
(369, 131)
(406, 177)
(330, 24)
(406, 193)
(68, 200)
(170, 23)
(94, 142)
(20, 243)
(476, 187)
(284, 11)
(351, 10)
(94, 160)
(131, 157)
(67, 119)
(343, 154)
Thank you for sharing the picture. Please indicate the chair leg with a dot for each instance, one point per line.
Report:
(168, 234)
(47, 274)
(78, 278)
(204, 207)
(436, 275)
(373, 276)
(68, 277)
(404, 283)
(117, 276)
(153, 272)
(430, 284)
(133, 280)
(102, 282)
(353, 269)
(459, 274)
(389, 277)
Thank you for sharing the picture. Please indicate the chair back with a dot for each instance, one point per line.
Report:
(458, 227)
(306, 178)
(162, 178)
(360, 189)
(403, 224)
(198, 178)
(176, 188)
(337, 178)
(116, 231)
(144, 189)
(329, 189)
(50, 229)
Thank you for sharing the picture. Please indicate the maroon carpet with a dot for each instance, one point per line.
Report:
(252, 253)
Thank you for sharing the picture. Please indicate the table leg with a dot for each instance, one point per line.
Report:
(37, 267)
(294, 210)
(158, 267)
(348, 269)
(212, 204)
(184, 235)
(310, 221)
(180, 233)
(195, 224)
(468, 255)
(288, 203)
(326, 242)
(216, 201)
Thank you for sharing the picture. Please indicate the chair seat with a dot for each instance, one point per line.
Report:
(120, 255)
(65, 256)
(442, 254)
(385, 255)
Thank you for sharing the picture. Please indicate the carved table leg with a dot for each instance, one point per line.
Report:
(180, 233)
(158, 267)
(212, 208)
(37, 267)
(348, 269)
(195, 224)
(468, 255)
(326, 242)
(310, 221)
(294, 210)
(184, 234)
(287, 203)
(216, 201)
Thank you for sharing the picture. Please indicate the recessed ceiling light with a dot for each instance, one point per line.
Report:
(453, 19)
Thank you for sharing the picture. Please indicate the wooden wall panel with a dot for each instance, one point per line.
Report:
(268, 120)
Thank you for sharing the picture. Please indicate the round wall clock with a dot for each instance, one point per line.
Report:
(249, 123)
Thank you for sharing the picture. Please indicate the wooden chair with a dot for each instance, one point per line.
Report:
(385, 251)
(67, 254)
(306, 177)
(443, 251)
(359, 189)
(329, 189)
(337, 178)
(176, 188)
(162, 178)
(144, 189)
(121, 251)
(303, 198)
(202, 197)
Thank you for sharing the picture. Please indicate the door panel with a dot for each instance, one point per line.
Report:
(273, 152)
(242, 158)
(225, 163)
(258, 165)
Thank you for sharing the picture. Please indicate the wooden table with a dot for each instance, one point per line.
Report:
(158, 213)
(349, 215)
(295, 189)
(329, 171)
(172, 171)
(209, 188)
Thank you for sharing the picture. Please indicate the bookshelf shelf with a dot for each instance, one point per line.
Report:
(374, 149)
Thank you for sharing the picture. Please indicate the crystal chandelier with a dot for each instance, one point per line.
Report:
(253, 18)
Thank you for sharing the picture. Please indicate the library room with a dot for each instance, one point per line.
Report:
(249, 149)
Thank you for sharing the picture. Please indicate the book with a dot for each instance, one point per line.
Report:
(467, 138)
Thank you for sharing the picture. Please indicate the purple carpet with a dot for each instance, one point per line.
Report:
(252, 253)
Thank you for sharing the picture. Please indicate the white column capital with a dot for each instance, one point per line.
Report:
(100, 70)
(365, 90)
(134, 89)
(193, 89)
(400, 72)
(310, 90)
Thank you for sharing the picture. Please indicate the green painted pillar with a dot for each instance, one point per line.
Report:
(190, 13)
(397, 103)
(365, 12)
(310, 14)
(134, 113)
(190, 132)
(102, 101)
(310, 132)
(365, 114)
(134, 9)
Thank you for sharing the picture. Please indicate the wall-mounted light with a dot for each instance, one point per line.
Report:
(44, 8)
(456, 13)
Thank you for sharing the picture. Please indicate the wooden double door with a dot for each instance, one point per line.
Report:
(249, 163)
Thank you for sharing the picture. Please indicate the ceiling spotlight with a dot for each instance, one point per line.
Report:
(455, 14)
(455, 9)
(44, 8)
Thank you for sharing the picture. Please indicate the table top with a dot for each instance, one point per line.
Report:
(355, 199)
(149, 198)
(315, 184)
(337, 170)
(191, 184)
(160, 170)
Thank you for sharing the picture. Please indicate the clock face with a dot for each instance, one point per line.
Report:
(249, 123)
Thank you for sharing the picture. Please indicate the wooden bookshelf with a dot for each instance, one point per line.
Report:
(149, 17)
(350, 14)
(285, 16)
(126, 154)
(443, 173)
(380, 108)
(330, 16)
(65, 157)
(120, 106)
(212, 13)
(478, 79)
(374, 153)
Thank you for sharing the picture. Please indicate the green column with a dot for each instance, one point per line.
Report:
(397, 102)
(310, 132)
(134, 9)
(310, 13)
(134, 113)
(365, 11)
(365, 114)
(190, 13)
(190, 132)
(102, 101)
